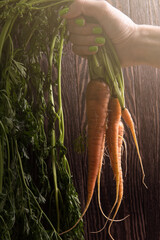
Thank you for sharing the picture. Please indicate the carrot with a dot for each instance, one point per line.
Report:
(120, 194)
(112, 132)
(129, 121)
(99, 202)
(97, 99)
(120, 139)
(112, 139)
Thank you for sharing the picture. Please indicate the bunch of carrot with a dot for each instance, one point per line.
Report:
(105, 106)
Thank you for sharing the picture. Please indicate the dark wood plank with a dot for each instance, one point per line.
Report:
(143, 100)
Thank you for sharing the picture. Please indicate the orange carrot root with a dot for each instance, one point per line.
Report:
(99, 202)
(129, 121)
(115, 128)
(112, 139)
(120, 194)
(120, 139)
(97, 99)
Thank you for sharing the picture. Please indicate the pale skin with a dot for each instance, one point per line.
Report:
(135, 44)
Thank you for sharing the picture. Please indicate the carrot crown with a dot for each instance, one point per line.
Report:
(105, 65)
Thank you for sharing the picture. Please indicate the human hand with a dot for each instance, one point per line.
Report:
(117, 26)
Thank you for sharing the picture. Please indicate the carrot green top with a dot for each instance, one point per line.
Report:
(105, 65)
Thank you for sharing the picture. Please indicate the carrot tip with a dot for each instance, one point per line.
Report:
(144, 183)
(119, 220)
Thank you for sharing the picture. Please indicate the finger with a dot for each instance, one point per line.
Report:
(87, 40)
(87, 29)
(85, 50)
(77, 22)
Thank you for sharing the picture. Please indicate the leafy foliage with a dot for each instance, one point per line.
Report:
(37, 196)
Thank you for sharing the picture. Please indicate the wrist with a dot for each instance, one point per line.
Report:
(139, 45)
(146, 45)
(128, 49)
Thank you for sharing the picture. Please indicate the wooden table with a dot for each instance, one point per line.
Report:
(143, 100)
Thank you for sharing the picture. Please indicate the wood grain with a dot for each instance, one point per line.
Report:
(142, 85)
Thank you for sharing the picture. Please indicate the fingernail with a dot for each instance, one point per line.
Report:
(93, 48)
(100, 40)
(97, 30)
(63, 11)
(80, 22)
